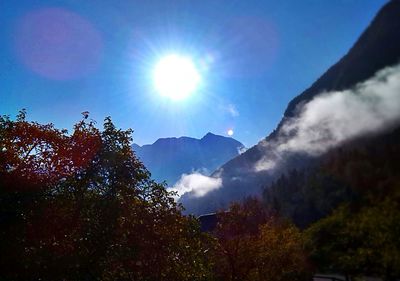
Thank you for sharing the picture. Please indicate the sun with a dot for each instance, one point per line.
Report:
(176, 77)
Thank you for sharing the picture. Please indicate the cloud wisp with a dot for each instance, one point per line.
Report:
(197, 184)
(335, 117)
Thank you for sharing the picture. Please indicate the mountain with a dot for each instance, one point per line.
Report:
(168, 158)
(378, 47)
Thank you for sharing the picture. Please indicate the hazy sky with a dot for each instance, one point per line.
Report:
(60, 58)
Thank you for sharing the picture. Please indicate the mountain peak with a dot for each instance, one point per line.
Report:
(210, 135)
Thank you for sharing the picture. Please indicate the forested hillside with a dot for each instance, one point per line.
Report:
(360, 172)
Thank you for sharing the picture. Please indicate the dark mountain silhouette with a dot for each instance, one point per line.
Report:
(168, 158)
(377, 47)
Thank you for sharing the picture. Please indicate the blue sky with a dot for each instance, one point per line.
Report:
(60, 58)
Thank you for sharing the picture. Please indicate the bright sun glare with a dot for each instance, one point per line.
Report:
(176, 77)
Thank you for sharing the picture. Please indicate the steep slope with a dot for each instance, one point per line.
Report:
(359, 171)
(168, 158)
(377, 47)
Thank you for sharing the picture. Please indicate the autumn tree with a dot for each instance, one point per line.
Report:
(81, 206)
(254, 244)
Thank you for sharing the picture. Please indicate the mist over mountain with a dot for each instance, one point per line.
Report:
(169, 158)
(358, 96)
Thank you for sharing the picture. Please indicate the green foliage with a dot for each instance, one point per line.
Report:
(359, 242)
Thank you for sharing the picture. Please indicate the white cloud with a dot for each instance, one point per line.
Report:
(335, 117)
(241, 149)
(233, 110)
(264, 164)
(197, 184)
(270, 157)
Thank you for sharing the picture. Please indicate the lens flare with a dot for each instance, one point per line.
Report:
(58, 44)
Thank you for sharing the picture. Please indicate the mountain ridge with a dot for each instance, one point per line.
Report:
(168, 158)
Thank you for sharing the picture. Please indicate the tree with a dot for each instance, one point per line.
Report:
(83, 207)
(254, 244)
(359, 241)
(281, 253)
